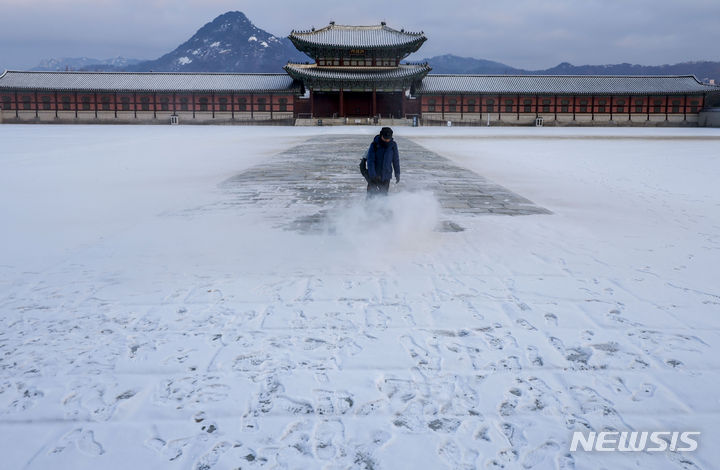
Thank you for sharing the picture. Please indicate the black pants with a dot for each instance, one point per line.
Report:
(375, 189)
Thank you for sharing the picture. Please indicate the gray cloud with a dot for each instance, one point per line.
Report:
(522, 33)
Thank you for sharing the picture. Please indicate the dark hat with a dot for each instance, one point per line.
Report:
(386, 132)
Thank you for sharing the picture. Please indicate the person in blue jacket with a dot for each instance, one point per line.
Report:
(382, 158)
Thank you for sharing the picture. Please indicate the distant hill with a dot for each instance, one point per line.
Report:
(701, 70)
(452, 64)
(449, 63)
(84, 63)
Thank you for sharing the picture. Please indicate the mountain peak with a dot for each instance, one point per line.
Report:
(233, 14)
(230, 21)
(231, 17)
(230, 42)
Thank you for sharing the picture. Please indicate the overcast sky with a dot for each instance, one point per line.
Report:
(520, 33)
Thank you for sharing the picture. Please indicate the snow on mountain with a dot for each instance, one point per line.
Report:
(229, 43)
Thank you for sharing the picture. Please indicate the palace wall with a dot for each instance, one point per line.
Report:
(283, 108)
(571, 110)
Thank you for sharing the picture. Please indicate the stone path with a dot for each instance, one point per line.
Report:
(312, 177)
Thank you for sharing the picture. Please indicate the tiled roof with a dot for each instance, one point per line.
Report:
(361, 37)
(357, 74)
(154, 81)
(563, 84)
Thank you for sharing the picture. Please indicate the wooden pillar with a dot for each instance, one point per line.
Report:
(312, 104)
(442, 101)
(212, 103)
(76, 105)
(648, 107)
(611, 105)
(95, 103)
(342, 107)
(574, 101)
(174, 98)
(252, 106)
(37, 114)
(374, 101)
(272, 105)
(56, 105)
(462, 105)
(135, 104)
(518, 107)
(115, 103)
(666, 107)
(192, 98)
(629, 108)
(536, 107)
(685, 102)
(17, 114)
(232, 105)
(154, 105)
(592, 107)
(555, 104)
(402, 105)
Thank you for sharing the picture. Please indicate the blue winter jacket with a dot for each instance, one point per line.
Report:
(382, 158)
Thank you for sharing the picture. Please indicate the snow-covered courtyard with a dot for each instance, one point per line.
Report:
(225, 297)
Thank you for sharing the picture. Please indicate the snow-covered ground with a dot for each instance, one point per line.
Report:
(160, 307)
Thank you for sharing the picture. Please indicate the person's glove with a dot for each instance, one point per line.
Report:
(397, 179)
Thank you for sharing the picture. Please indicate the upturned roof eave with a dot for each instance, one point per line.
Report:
(302, 44)
(305, 72)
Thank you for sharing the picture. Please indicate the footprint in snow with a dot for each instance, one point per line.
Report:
(208, 460)
(376, 318)
(91, 402)
(525, 324)
(541, 455)
(646, 390)
(508, 364)
(333, 403)
(513, 435)
(294, 406)
(451, 453)
(682, 462)
(579, 357)
(326, 438)
(565, 461)
(533, 356)
(551, 319)
(20, 396)
(420, 354)
(83, 440)
(297, 436)
(594, 405)
(410, 419)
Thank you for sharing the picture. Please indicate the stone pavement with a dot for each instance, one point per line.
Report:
(310, 178)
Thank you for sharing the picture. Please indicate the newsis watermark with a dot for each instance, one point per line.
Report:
(634, 441)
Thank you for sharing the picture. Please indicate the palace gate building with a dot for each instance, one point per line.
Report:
(355, 75)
